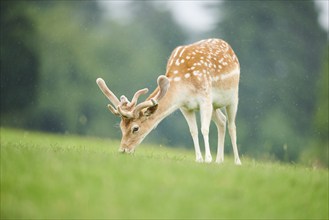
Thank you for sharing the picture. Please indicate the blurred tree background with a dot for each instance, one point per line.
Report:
(53, 51)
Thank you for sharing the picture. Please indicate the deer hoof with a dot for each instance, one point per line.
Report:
(208, 159)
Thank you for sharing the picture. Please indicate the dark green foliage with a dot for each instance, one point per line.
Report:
(318, 154)
(321, 114)
(19, 60)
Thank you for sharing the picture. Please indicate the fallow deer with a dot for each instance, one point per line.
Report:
(201, 76)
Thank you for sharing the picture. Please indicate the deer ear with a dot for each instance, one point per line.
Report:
(149, 111)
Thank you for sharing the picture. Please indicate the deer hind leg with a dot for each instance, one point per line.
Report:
(206, 110)
(192, 124)
(231, 113)
(220, 121)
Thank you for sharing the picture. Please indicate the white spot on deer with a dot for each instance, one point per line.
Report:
(196, 73)
(175, 72)
(181, 53)
(176, 79)
(230, 74)
(187, 75)
(201, 41)
(176, 51)
(177, 62)
(171, 61)
(187, 57)
(216, 78)
(182, 61)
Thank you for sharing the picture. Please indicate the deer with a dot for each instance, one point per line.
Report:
(201, 76)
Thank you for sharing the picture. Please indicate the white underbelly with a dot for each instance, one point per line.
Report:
(220, 98)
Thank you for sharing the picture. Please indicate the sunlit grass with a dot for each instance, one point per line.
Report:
(62, 176)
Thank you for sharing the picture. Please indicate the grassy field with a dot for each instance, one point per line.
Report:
(59, 176)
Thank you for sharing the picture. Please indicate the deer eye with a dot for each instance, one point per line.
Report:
(135, 129)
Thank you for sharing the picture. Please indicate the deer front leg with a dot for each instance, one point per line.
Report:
(192, 124)
(220, 121)
(206, 113)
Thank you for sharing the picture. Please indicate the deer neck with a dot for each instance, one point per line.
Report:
(167, 105)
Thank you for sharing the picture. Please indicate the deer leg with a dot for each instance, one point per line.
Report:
(192, 124)
(220, 121)
(231, 113)
(206, 113)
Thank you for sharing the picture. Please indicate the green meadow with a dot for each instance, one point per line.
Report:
(46, 176)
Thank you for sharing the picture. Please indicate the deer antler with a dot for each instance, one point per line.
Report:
(136, 96)
(163, 84)
(125, 113)
(129, 109)
(109, 94)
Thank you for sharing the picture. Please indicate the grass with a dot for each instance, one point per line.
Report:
(60, 176)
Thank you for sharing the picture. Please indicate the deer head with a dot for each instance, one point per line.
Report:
(135, 118)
